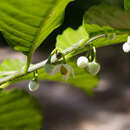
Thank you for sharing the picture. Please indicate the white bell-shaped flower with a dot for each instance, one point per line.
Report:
(49, 69)
(33, 85)
(93, 68)
(64, 69)
(126, 46)
(82, 62)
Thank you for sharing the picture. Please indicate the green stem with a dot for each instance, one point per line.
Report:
(6, 84)
(27, 64)
(95, 53)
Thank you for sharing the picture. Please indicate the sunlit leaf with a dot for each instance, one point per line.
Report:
(71, 36)
(26, 23)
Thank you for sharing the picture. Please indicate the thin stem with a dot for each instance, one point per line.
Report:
(27, 64)
(6, 84)
(95, 55)
(94, 38)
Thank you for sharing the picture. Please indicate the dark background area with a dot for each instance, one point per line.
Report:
(68, 108)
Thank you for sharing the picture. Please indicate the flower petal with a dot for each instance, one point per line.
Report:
(70, 69)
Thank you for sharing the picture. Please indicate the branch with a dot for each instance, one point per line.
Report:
(81, 44)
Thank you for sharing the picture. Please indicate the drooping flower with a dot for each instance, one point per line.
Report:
(64, 69)
(33, 85)
(82, 62)
(49, 69)
(126, 46)
(93, 67)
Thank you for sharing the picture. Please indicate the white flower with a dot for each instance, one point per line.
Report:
(49, 69)
(33, 85)
(126, 46)
(93, 67)
(82, 62)
(64, 69)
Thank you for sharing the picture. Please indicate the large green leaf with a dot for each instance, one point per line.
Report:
(26, 23)
(107, 15)
(95, 30)
(19, 111)
(127, 4)
(84, 33)
(70, 37)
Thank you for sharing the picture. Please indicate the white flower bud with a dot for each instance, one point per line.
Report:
(126, 47)
(33, 85)
(82, 62)
(93, 67)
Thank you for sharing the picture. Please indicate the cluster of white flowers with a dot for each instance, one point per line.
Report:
(126, 46)
(82, 62)
(92, 67)
(52, 68)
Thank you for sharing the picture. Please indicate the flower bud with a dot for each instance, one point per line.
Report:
(33, 85)
(82, 62)
(93, 67)
(126, 47)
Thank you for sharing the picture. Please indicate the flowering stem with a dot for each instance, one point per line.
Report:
(4, 82)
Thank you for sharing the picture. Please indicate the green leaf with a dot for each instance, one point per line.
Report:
(70, 37)
(127, 4)
(19, 111)
(26, 23)
(84, 33)
(107, 15)
(94, 30)
(82, 79)
(9, 67)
